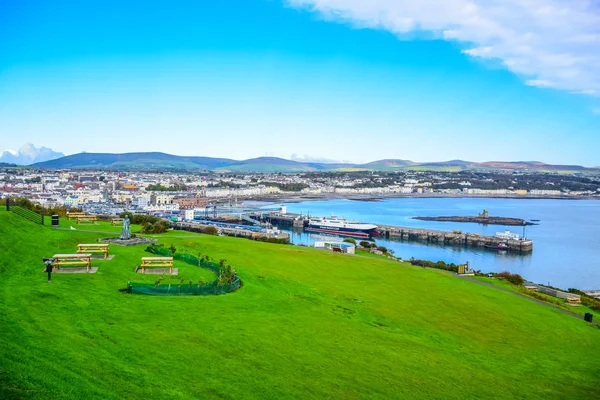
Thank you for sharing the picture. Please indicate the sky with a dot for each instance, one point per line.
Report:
(352, 80)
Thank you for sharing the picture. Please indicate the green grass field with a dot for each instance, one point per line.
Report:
(305, 324)
(577, 309)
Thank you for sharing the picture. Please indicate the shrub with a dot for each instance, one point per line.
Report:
(438, 265)
(503, 275)
(227, 275)
(350, 240)
(210, 230)
(158, 226)
(516, 279)
(382, 249)
(365, 244)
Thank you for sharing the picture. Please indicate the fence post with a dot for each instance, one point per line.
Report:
(8, 204)
(42, 214)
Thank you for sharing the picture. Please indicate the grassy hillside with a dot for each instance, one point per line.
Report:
(306, 324)
(157, 160)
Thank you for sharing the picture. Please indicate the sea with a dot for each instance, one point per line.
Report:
(566, 251)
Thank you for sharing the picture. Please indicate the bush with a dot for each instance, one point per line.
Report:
(438, 265)
(365, 244)
(382, 249)
(156, 227)
(515, 279)
(37, 208)
(210, 230)
(350, 240)
(228, 275)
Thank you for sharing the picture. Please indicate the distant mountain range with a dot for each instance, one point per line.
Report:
(29, 154)
(162, 161)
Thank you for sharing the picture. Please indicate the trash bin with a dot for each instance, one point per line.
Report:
(55, 220)
(588, 316)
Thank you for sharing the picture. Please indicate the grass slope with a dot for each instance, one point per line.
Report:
(306, 324)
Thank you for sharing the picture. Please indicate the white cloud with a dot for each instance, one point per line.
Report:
(596, 110)
(550, 43)
(585, 91)
(539, 83)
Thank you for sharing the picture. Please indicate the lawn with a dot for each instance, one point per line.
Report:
(555, 301)
(305, 324)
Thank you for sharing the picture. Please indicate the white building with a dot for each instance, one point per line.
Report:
(507, 235)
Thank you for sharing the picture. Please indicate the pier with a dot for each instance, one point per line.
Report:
(400, 233)
(451, 238)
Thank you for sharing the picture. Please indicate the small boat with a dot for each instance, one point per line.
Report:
(499, 246)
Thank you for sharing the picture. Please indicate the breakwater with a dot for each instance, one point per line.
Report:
(400, 233)
(452, 238)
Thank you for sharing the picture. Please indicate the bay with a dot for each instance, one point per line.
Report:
(566, 241)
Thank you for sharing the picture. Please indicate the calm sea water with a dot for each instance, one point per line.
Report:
(566, 241)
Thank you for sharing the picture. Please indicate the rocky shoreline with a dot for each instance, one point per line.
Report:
(480, 220)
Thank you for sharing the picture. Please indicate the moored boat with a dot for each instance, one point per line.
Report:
(340, 227)
(499, 246)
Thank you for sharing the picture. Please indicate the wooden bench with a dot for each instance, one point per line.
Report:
(157, 262)
(74, 215)
(117, 221)
(93, 248)
(73, 259)
(87, 218)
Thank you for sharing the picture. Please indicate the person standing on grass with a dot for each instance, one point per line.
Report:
(49, 266)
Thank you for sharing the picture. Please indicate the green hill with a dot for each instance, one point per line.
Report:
(305, 324)
(162, 161)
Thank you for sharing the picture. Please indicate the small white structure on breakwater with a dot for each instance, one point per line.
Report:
(507, 235)
(338, 247)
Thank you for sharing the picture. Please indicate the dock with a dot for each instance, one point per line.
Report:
(401, 233)
(451, 238)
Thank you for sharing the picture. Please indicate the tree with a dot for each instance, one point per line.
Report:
(210, 230)
(350, 240)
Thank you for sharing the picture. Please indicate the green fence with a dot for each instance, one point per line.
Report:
(27, 214)
(207, 289)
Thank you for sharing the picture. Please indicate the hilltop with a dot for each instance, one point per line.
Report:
(305, 324)
(157, 160)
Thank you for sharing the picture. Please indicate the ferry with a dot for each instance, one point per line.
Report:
(341, 227)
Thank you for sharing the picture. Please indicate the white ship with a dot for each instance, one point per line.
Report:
(340, 227)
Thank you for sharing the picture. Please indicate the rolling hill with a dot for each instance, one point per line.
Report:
(157, 160)
(306, 324)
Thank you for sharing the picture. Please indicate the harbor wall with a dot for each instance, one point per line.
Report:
(451, 238)
(414, 234)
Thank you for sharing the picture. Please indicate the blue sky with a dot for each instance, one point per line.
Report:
(331, 79)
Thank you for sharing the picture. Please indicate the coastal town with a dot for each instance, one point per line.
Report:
(150, 191)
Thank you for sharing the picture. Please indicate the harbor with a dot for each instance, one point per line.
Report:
(503, 241)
